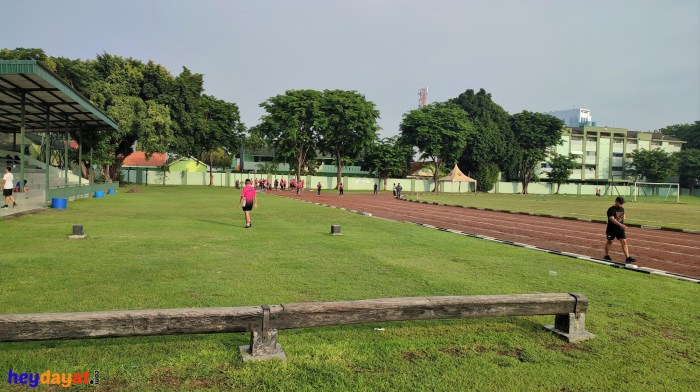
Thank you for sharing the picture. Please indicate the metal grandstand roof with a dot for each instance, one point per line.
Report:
(43, 90)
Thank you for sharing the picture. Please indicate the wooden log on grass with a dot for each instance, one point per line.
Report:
(80, 325)
(317, 314)
(264, 321)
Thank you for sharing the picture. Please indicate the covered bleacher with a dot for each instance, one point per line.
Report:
(34, 105)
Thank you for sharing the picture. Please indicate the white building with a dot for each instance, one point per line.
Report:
(574, 117)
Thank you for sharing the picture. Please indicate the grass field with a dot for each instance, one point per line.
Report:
(648, 211)
(186, 247)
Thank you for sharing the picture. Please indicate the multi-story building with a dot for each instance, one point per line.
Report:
(602, 152)
(574, 117)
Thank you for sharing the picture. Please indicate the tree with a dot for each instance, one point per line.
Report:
(689, 168)
(348, 126)
(534, 133)
(150, 106)
(220, 127)
(562, 166)
(388, 158)
(489, 147)
(690, 133)
(439, 131)
(291, 126)
(653, 165)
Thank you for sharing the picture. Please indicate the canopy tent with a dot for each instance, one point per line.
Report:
(34, 99)
(456, 175)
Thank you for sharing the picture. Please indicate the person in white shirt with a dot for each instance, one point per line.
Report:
(7, 185)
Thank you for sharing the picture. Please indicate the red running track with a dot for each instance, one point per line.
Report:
(674, 252)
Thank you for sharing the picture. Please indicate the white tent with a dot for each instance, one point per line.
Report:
(456, 175)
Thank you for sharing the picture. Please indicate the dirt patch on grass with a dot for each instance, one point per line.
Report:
(514, 353)
(480, 349)
(168, 378)
(409, 356)
(452, 350)
(567, 347)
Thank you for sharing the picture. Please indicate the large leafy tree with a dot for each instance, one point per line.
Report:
(388, 158)
(653, 165)
(159, 111)
(348, 126)
(291, 126)
(534, 133)
(489, 147)
(439, 131)
(690, 133)
(562, 165)
(219, 127)
(689, 168)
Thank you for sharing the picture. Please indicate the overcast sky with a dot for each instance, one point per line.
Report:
(634, 64)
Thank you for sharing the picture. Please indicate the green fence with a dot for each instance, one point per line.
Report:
(74, 192)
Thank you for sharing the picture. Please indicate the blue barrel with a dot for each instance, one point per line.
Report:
(59, 203)
(99, 194)
(111, 191)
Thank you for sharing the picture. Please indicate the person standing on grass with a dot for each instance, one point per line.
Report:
(376, 187)
(7, 183)
(341, 188)
(248, 201)
(616, 229)
(318, 186)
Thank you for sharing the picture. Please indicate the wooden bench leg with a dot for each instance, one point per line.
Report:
(571, 327)
(262, 347)
(263, 342)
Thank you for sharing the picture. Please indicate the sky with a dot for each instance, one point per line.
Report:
(634, 64)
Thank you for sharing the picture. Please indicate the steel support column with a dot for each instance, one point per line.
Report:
(47, 146)
(21, 143)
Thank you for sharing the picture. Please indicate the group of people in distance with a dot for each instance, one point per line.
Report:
(341, 189)
(264, 184)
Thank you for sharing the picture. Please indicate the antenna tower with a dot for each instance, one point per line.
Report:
(423, 100)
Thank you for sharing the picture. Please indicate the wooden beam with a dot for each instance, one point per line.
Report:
(306, 315)
(46, 326)
(265, 320)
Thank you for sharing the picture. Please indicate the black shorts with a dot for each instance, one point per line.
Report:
(7, 192)
(618, 234)
(248, 206)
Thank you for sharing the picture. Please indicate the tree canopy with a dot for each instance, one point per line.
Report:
(348, 126)
(490, 147)
(534, 133)
(653, 165)
(690, 133)
(439, 131)
(562, 165)
(689, 168)
(150, 106)
(292, 126)
(388, 158)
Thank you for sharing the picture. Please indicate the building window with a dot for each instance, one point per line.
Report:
(618, 154)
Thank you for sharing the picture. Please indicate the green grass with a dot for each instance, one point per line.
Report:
(647, 211)
(185, 247)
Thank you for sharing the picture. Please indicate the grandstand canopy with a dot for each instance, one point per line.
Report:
(43, 90)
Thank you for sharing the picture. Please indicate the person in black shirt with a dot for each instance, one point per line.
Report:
(616, 229)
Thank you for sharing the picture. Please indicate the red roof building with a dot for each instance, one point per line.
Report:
(138, 159)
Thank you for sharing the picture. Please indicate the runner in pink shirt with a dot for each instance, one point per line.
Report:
(248, 201)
